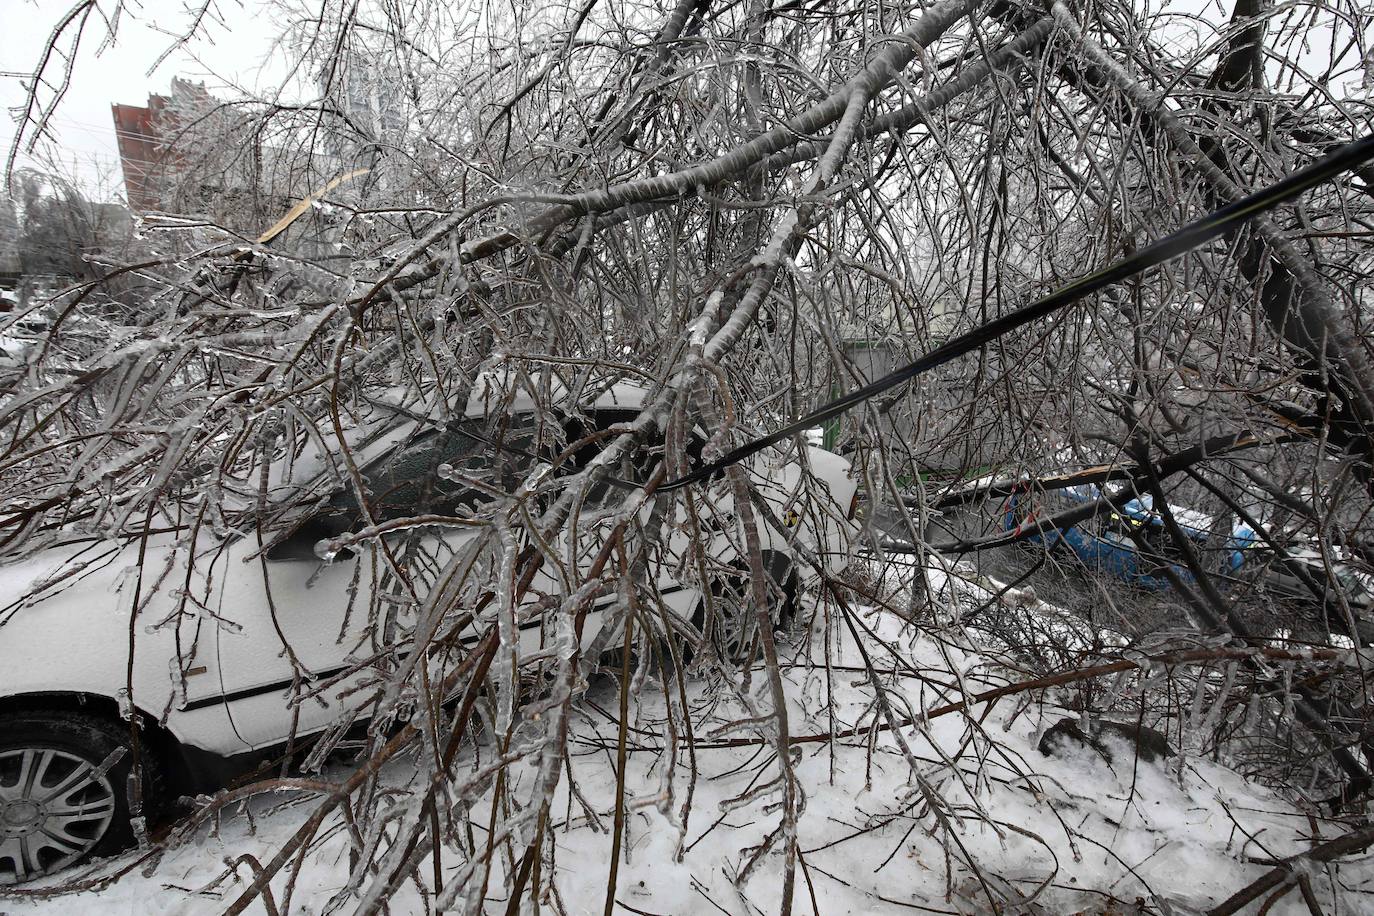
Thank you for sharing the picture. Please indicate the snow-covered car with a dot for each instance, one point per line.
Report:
(174, 647)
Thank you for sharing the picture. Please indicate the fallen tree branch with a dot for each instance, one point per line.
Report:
(1163, 659)
(1287, 870)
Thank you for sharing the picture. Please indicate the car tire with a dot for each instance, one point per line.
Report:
(57, 808)
(734, 583)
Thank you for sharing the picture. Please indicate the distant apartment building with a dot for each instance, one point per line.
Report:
(153, 166)
(370, 93)
(189, 153)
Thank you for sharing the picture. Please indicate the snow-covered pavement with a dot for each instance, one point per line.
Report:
(985, 815)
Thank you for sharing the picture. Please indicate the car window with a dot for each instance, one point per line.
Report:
(407, 481)
(1117, 524)
(633, 468)
(493, 455)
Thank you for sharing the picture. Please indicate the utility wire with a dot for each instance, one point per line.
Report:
(1217, 223)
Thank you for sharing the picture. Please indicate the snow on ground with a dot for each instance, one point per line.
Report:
(1071, 834)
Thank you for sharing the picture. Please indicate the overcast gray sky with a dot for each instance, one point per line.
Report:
(232, 48)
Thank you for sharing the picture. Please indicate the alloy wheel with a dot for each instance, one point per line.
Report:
(54, 808)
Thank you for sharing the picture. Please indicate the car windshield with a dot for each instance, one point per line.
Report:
(485, 459)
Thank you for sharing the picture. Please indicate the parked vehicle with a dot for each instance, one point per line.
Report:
(187, 635)
(1105, 543)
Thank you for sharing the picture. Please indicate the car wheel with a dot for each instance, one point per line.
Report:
(64, 781)
(734, 631)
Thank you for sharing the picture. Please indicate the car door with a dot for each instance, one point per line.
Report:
(289, 628)
(180, 634)
(120, 619)
(302, 632)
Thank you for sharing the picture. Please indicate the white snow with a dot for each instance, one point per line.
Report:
(1071, 832)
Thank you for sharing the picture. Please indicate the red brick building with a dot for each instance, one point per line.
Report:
(139, 156)
(145, 136)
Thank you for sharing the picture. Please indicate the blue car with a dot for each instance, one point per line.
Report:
(1105, 543)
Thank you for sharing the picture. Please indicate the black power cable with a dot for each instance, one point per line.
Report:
(1217, 223)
